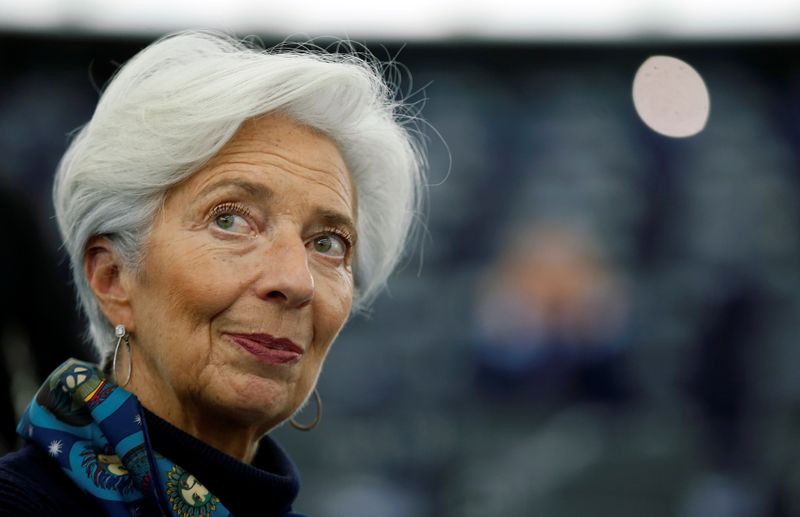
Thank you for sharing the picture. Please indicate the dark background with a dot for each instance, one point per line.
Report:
(670, 389)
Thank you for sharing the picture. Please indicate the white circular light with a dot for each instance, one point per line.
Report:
(671, 97)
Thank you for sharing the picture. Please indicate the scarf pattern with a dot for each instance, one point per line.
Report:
(96, 432)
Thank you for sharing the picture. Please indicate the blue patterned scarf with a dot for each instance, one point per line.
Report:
(96, 432)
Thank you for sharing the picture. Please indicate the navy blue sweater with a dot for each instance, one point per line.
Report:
(32, 484)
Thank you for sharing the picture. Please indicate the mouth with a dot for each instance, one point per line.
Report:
(268, 349)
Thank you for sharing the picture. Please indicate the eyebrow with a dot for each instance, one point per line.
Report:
(254, 190)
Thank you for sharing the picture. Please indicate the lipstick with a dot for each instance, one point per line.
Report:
(268, 349)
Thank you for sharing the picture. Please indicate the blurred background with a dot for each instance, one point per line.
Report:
(597, 320)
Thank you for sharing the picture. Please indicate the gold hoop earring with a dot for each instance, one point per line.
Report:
(312, 425)
(122, 334)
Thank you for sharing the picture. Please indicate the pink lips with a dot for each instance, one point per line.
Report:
(268, 349)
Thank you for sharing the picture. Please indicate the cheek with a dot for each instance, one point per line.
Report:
(335, 305)
(194, 282)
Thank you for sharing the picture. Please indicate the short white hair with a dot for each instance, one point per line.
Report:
(178, 101)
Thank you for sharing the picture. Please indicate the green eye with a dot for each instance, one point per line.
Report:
(323, 244)
(232, 223)
(225, 221)
(330, 244)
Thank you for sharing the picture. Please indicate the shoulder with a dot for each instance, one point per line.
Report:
(26, 484)
(32, 485)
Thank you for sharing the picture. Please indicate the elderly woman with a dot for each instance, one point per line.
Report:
(225, 210)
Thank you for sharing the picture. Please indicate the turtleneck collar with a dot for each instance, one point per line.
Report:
(268, 486)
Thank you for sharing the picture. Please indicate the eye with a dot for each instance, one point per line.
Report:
(227, 219)
(331, 245)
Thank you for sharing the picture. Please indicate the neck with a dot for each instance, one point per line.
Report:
(215, 428)
(228, 437)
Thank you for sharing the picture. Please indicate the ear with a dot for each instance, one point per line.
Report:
(109, 281)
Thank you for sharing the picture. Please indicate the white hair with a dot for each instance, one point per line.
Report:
(176, 103)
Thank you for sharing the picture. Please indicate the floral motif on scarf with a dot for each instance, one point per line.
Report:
(96, 432)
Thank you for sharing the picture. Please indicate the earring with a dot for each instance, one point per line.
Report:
(312, 425)
(122, 334)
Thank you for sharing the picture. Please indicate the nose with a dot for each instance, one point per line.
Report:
(286, 277)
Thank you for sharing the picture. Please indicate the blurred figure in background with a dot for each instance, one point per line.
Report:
(552, 320)
(724, 394)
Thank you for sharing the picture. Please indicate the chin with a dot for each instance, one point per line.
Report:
(255, 400)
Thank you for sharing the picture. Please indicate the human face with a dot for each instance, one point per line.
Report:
(247, 278)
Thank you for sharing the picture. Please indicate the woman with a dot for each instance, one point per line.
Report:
(224, 210)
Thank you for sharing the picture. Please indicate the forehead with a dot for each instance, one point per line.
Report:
(277, 148)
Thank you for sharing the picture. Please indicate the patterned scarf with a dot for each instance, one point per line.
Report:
(96, 432)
